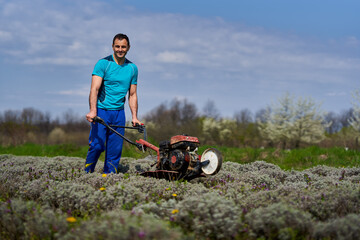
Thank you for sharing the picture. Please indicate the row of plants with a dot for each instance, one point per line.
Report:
(53, 198)
(298, 159)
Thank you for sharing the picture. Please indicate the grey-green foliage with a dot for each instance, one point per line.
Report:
(279, 221)
(123, 225)
(346, 228)
(292, 121)
(209, 216)
(256, 199)
(21, 219)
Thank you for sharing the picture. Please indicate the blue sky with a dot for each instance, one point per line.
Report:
(239, 54)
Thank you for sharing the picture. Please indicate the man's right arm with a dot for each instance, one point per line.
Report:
(94, 90)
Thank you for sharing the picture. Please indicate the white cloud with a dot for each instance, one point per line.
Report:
(353, 41)
(5, 36)
(63, 61)
(61, 36)
(173, 57)
(79, 91)
(336, 94)
(212, 58)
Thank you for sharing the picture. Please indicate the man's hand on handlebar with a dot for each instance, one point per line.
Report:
(90, 116)
(136, 122)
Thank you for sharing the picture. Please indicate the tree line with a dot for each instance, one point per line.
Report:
(289, 123)
(33, 126)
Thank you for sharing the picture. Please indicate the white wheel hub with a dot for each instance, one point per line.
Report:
(215, 158)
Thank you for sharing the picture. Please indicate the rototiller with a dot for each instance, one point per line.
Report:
(176, 159)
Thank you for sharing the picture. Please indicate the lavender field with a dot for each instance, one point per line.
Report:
(52, 198)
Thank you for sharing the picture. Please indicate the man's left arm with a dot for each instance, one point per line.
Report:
(133, 104)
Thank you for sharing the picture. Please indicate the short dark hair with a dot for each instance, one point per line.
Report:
(121, 36)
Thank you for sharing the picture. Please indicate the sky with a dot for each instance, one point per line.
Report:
(237, 54)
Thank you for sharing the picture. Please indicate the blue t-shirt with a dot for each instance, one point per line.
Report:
(116, 82)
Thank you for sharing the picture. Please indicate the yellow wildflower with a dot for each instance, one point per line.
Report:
(104, 175)
(102, 189)
(175, 211)
(71, 219)
(174, 195)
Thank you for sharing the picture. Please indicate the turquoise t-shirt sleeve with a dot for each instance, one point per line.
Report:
(135, 76)
(100, 68)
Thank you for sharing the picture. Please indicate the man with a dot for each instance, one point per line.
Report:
(113, 77)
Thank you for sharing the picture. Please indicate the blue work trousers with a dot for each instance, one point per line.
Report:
(102, 138)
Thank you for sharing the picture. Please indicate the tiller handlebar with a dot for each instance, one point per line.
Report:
(140, 128)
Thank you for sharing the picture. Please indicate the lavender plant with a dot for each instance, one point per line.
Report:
(278, 221)
(243, 201)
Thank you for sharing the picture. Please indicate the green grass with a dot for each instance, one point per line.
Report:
(297, 159)
(30, 149)
(313, 156)
(69, 150)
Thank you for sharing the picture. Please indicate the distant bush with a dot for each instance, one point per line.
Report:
(57, 135)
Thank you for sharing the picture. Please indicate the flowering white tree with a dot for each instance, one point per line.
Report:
(354, 121)
(293, 121)
(308, 123)
(222, 129)
(277, 120)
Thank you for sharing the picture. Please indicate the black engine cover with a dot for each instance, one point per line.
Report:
(179, 160)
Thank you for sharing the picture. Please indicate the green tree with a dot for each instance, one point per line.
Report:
(167, 120)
